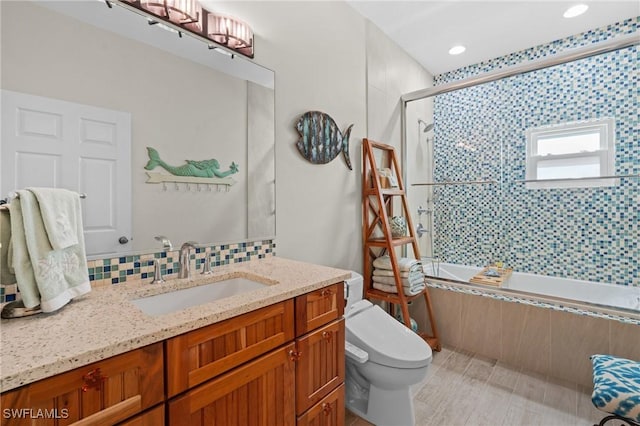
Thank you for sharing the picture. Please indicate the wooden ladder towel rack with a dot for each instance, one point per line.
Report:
(377, 208)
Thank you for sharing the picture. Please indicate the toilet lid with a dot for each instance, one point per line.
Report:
(385, 339)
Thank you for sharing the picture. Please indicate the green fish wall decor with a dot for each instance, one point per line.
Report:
(320, 138)
(206, 168)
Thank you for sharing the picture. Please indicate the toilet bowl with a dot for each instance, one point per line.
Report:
(384, 358)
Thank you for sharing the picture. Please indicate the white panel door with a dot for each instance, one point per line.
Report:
(53, 143)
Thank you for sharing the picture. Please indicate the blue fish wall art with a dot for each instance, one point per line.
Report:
(320, 138)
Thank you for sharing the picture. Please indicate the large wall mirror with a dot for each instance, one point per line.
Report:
(185, 100)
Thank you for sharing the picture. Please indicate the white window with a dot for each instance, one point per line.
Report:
(566, 155)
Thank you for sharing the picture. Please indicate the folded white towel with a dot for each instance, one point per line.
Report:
(389, 273)
(404, 263)
(406, 282)
(408, 291)
(59, 209)
(46, 276)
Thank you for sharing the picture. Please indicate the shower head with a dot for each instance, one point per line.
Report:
(427, 127)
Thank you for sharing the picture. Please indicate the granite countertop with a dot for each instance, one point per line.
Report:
(105, 323)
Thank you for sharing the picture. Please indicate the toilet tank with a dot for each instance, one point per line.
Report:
(353, 288)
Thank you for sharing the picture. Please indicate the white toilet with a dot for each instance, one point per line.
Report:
(384, 358)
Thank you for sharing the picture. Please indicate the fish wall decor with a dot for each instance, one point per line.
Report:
(320, 138)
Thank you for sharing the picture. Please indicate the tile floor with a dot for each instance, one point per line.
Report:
(466, 389)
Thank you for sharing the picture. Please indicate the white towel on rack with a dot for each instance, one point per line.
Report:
(7, 274)
(47, 276)
(408, 291)
(404, 263)
(389, 273)
(406, 282)
(18, 257)
(59, 209)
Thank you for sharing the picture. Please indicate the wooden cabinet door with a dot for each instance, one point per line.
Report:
(258, 393)
(319, 307)
(102, 393)
(328, 412)
(320, 366)
(202, 354)
(153, 417)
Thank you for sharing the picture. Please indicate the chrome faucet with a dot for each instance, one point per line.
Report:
(185, 270)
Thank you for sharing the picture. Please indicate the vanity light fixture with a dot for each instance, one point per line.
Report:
(177, 11)
(576, 10)
(188, 16)
(229, 31)
(456, 50)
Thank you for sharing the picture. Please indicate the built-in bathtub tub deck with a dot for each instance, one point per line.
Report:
(102, 360)
(547, 334)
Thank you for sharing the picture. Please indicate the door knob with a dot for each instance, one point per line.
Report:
(123, 240)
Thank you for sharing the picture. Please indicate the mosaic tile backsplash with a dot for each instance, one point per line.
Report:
(582, 233)
(118, 270)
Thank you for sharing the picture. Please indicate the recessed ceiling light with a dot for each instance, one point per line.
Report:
(576, 10)
(456, 50)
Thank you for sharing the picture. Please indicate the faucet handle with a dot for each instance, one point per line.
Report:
(206, 267)
(166, 243)
(157, 273)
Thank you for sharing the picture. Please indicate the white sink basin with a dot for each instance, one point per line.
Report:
(172, 301)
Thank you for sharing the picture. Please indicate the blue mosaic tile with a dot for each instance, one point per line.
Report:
(628, 26)
(582, 233)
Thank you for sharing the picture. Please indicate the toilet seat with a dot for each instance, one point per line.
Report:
(386, 340)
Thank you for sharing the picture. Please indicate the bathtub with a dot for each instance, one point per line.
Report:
(593, 293)
(537, 323)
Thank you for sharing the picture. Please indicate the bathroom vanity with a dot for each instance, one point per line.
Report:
(273, 356)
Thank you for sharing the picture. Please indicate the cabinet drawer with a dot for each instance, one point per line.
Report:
(153, 417)
(102, 393)
(320, 366)
(328, 412)
(202, 354)
(258, 393)
(318, 308)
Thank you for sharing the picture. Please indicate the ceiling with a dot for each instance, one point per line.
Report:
(488, 29)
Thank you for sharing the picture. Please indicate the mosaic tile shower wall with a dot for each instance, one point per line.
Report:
(582, 233)
(118, 270)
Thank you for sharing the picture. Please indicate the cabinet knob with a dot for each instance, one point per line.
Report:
(327, 335)
(326, 408)
(326, 292)
(93, 380)
(294, 355)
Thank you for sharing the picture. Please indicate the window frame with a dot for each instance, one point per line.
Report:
(605, 154)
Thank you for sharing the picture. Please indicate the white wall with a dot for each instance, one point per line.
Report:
(390, 74)
(317, 50)
(323, 54)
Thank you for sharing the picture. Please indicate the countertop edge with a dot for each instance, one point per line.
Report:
(64, 364)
